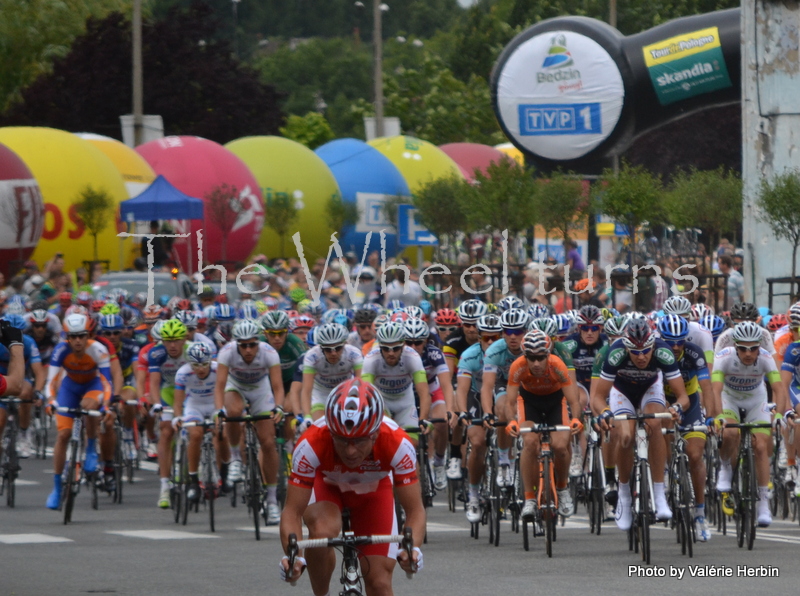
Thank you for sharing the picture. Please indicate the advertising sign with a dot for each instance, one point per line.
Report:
(559, 94)
(687, 65)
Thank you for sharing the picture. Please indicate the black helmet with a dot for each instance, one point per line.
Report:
(365, 315)
(745, 311)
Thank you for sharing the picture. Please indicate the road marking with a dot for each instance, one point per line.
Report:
(150, 466)
(31, 539)
(437, 527)
(161, 534)
(20, 482)
(262, 529)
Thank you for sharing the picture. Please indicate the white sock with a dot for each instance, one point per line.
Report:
(502, 457)
(164, 483)
(763, 493)
(272, 493)
(624, 492)
(658, 490)
(236, 453)
(700, 510)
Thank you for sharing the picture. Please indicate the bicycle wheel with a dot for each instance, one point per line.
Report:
(119, 465)
(736, 495)
(686, 507)
(752, 498)
(517, 500)
(425, 475)
(92, 480)
(12, 463)
(209, 461)
(644, 510)
(183, 483)
(254, 487)
(525, 537)
(597, 500)
(68, 485)
(548, 506)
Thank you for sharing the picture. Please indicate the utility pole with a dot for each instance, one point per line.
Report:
(377, 40)
(138, 102)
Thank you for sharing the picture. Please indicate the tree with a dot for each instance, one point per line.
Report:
(443, 205)
(219, 98)
(390, 208)
(480, 38)
(279, 215)
(94, 207)
(561, 203)
(341, 213)
(779, 202)
(311, 130)
(223, 206)
(711, 200)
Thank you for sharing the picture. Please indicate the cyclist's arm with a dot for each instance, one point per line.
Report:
(571, 393)
(679, 391)
(600, 389)
(276, 380)
(512, 394)
(446, 383)
(305, 392)
(786, 378)
(297, 498)
(410, 498)
(421, 385)
(487, 389)
(39, 376)
(710, 403)
(51, 387)
(16, 370)
(116, 376)
(780, 395)
(155, 387)
(177, 404)
(463, 384)
(219, 387)
(717, 378)
(140, 375)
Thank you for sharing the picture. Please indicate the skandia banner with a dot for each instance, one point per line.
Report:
(687, 65)
(559, 95)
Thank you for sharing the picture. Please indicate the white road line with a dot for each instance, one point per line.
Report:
(161, 534)
(264, 530)
(150, 466)
(21, 482)
(31, 539)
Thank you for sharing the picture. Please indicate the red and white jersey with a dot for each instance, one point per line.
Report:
(393, 460)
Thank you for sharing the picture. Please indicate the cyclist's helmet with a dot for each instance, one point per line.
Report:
(538, 310)
(65, 298)
(270, 302)
(399, 316)
(354, 409)
(391, 333)
(16, 321)
(110, 308)
(700, 310)
(536, 342)
(415, 312)
(183, 304)
(275, 320)
(615, 326)
(447, 317)
(310, 341)
(199, 353)
(638, 335)
(635, 315)
(489, 324)
(380, 320)
(246, 329)
(75, 309)
(547, 325)
(777, 321)
(426, 307)
(155, 330)
(678, 305)
(84, 299)
(151, 314)
(590, 315)
(744, 311)
(514, 318)
(747, 331)
(395, 305)
(365, 316)
(508, 303)
(563, 324)
(97, 305)
(416, 329)
(302, 322)
(111, 323)
(172, 330)
(716, 325)
(188, 318)
(76, 323)
(673, 328)
(248, 311)
(472, 310)
(129, 317)
(39, 316)
(331, 334)
(223, 312)
(223, 332)
(15, 308)
(794, 315)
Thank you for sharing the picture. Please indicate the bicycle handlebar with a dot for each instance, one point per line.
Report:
(16, 400)
(354, 540)
(204, 423)
(749, 425)
(686, 429)
(638, 417)
(248, 418)
(540, 428)
(65, 410)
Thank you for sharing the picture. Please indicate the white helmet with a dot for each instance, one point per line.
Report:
(390, 333)
(76, 324)
(245, 329)
(330, 334)
(747, 331)
(416, 329)
(677, 305)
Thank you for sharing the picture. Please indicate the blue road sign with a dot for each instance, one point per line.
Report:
(409, 231)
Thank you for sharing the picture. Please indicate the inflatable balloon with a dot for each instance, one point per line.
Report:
(366, 178)
(21, 213)
(419, 161)
(197, 167)
(64, 166)
(472, 156)
(512, 152)
(287, 168)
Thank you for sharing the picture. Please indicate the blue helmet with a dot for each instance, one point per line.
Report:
(310, 337)
(111, 323)
(673, 328)
(16, 321)
(248, 311)
(199, 353)
(426, 306)
(395, 305)
(563, 323)
(223, 312)
(715, 324)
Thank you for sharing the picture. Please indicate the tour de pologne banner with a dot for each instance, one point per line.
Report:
(686, 65)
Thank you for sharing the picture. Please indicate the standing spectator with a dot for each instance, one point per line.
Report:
(599, 297)
(735, 281)
(159, 251)
(577, 268)
(396, 290)
(660, 287)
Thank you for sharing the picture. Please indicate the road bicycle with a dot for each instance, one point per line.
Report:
(351, 578)
(594, 472)
(41, 423)
(73, 467)
(714, 513)
(546, 516)
(681, 491)
(208, 473)
(782, 487)
(9, 465)
(642, 485)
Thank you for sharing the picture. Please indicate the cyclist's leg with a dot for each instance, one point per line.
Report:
(108, 439)
(68, 396)
(759, 413)
(583, 398)
(730, 440)
(695, 449)
(653, 402)
(504, 412)
(476, 435)
(234, 407)
(323, 518)
(319, 397)
(440, 429)
(24, 414)
(166, 433)
(128, 412)
(622, 435)
(560, 442)
(529, 415)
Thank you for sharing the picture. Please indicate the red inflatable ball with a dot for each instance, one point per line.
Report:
(198, 167)
(21, 213)
(472, 156)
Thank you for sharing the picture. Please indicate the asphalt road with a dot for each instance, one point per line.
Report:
(136, 548)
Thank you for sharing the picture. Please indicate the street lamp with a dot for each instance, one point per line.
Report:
(378, 8)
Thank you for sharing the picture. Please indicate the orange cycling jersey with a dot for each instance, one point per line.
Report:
(82, 368)
(554, 378)
(783, 342)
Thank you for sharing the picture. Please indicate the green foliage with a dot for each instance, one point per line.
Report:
(94, 207)
(35, 32)
(341, 213)
(444, 203)
(390, 208)
(710, 199)
(632, 197)
(311, 130)
(779, 202)
(479, 41)
(279, 215)
(505, 198)
(561, 201)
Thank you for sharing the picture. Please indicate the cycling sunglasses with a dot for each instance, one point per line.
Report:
(465, 325)
(675, 343)
(748, 348)
(535, 357)
(391, 348)
(115, 332)
(76, 335)
(591, 328)
(332, 350)
(248, 344)
(415, 342)
(490, 338)
(514, 331)
(39, 325)
(640, 352)
(365, 326)
(447, 329)
(276, 333)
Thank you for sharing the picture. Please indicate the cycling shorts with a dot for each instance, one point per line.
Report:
(371, 513)
(756, 410)
(319, 397)
(550, 409)
(499, 392)
(197, 411)
(405, 414)
(71, 393)
(620, 404)
(259, 397)
(474, 407)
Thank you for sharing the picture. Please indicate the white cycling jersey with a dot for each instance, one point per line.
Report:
(741, 381)
(199, 392)
(246, 374)
(702, 338)
(726, 341)
(327, 375)
(396, 381)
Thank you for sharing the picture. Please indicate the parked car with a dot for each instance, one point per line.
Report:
(135, 281)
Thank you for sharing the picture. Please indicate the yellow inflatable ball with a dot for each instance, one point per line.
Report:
(283, 168)
(512, 152)
(420, 162)
(65, 165)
